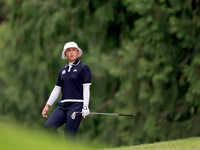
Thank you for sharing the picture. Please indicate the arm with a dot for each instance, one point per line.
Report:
(54, 95)
(86, 98)
(86, 94)
(52, 98)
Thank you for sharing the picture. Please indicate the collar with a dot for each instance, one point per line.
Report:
(76, 63)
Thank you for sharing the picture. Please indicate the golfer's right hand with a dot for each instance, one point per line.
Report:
(44, 111)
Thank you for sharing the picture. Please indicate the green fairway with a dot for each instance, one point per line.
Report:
(184, 144)
(18, 138)
(15, 138)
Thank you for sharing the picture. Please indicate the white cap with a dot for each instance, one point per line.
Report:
(68, 45)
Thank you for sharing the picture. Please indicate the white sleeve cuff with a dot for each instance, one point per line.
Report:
(54, 95)
(86, 94)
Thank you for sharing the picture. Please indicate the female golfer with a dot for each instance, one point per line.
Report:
(74, 81)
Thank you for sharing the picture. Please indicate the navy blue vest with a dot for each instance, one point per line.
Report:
(72, 82)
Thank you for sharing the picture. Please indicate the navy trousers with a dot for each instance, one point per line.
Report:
(62, 115)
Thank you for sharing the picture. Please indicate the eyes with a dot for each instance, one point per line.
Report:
(71, 50)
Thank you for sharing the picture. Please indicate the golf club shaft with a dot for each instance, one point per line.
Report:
(111, 114)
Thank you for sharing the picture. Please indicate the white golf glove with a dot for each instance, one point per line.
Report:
(85, 111)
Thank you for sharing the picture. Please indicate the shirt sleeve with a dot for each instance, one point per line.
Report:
(54, 95)
(86, 75)
(86, 94)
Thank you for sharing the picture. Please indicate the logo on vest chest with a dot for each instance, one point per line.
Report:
(75, 70)
(63, 72)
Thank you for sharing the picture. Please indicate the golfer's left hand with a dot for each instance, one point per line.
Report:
(85, 111)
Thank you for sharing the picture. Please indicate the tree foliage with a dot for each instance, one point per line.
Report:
(144, 57)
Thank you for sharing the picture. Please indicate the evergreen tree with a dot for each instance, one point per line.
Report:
(144, 57)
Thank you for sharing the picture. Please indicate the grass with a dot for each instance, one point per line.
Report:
(16, 138)
(20, 138)
(182, 144)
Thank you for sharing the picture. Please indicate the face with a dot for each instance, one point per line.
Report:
(71, 54)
